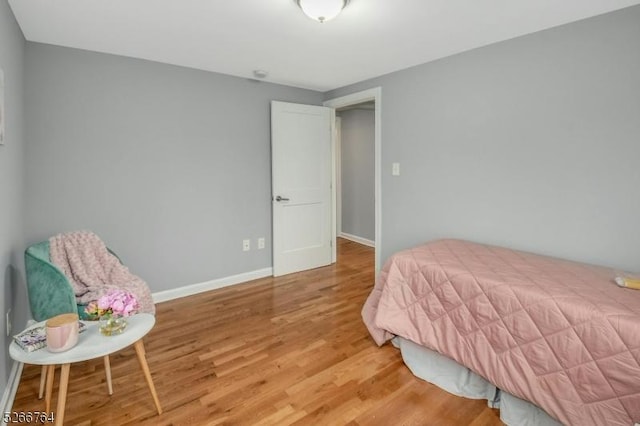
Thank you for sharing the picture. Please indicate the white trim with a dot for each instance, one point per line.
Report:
(357, 239)
(338, 165)
(375, 95)
(6, 404)
(189, 290)
(334, 184)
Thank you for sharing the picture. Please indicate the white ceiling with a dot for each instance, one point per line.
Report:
(370, 37)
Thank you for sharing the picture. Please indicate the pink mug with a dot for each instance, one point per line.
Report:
(62, 332)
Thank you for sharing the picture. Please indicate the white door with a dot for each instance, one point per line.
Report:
(301, 186)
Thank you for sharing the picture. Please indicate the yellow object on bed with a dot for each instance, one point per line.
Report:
(627, 282)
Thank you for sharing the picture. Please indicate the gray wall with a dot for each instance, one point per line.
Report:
(13, 293)
(170, 166)
(531, 143)
(357, 173)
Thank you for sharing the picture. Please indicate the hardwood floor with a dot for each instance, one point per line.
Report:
(275, 351)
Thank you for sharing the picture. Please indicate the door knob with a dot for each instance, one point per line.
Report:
(279, 198)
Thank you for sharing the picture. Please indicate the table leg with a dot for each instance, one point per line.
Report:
(43, 380)
(139, 346)
(51, 370)
(62, 394)
(107, 370)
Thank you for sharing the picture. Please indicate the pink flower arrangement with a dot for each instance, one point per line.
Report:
(116, 302)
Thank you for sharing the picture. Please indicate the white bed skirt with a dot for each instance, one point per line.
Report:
(457, 379)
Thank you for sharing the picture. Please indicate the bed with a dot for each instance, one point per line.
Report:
(551, 333)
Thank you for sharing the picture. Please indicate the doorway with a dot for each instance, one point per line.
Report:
(355, 160)
(372, 98)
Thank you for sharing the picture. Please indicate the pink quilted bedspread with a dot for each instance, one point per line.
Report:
(557, 333)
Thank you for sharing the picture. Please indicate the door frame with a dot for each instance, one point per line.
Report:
(374, 94)
(338, 174)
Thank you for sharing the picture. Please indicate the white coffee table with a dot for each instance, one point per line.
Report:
(91, 345)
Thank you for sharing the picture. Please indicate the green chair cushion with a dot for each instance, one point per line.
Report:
(50, 292)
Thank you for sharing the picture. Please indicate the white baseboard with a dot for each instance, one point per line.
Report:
(6, 404)
(357, 239)
(189, 290)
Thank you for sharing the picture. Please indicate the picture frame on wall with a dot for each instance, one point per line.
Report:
(2, 112)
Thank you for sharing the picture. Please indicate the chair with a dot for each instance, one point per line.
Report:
(51, 294)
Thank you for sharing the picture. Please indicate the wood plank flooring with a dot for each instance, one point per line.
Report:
(275, 351)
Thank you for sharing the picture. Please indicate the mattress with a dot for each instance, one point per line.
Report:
(556, 333)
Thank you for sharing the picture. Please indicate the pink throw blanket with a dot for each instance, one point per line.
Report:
(93, 271)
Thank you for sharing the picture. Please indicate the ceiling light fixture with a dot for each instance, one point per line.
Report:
(322, 10)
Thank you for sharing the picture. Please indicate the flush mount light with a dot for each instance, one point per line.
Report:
(322, 10)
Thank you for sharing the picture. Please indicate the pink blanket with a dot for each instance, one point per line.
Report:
(557, 333)
(93, 271)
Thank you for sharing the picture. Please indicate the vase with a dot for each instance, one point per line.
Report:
(112, 324)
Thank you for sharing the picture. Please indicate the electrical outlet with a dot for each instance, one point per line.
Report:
(9, 322)
(246, 245)
(260, 243)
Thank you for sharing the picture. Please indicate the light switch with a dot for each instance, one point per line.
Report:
(395, 169)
